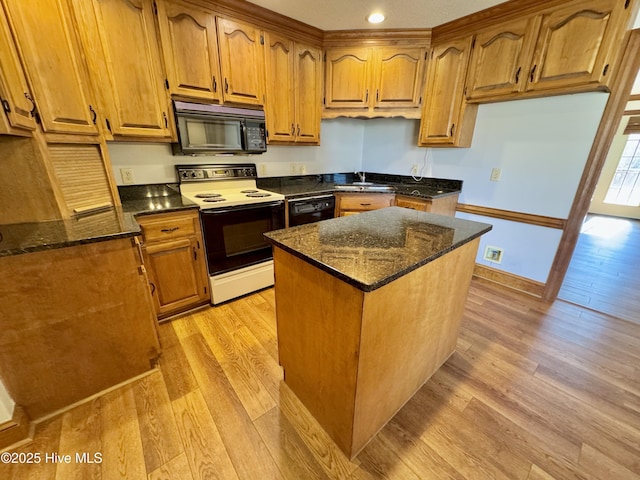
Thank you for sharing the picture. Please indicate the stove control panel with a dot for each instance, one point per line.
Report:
(196, 173)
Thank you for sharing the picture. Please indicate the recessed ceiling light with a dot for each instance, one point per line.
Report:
(375, 18)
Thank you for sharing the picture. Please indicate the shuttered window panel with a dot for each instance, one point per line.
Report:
(81, 175)
(633, 126)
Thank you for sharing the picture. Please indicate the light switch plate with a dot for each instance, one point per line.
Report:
(496, 173)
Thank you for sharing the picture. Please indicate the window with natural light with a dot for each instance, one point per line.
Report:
(625, 186)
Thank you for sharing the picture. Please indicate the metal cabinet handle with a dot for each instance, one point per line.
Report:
(226, 85)
(170, 230)
(453, 128)
(153, 288)
(518, 75)
(195, 254)
(166, 120)
(94, 115)
(365, 204)
(366, 95)
(215, 84)
(298, 129)
(293, 129)
(377, 95)
(5, 105)
(533, 71)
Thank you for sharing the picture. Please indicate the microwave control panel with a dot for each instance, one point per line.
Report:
(255, 135)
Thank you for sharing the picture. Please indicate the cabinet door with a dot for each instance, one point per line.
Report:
(347, 78)
(501, 58)
(398, 77)
(241, 62)
(190, 48)
(54, 66)
(174, 275)
(308, 87)
(14, 92)
(576, 43)
(129, 58)
(279, 74)
(444, 106)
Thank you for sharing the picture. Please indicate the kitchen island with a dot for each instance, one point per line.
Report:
(368, 308)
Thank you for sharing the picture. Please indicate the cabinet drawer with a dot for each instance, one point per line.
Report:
(365, 201)
(168, 226)
(413, 204)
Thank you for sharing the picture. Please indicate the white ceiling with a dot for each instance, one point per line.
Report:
(350, 14)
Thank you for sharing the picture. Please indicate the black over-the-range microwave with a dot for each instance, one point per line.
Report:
(207, 128)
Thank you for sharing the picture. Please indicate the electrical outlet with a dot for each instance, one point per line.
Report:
(302, 169)
(293, 168)
(493, 254)
(127, 176)
(414, 169)
(262, 169)
(496, 173)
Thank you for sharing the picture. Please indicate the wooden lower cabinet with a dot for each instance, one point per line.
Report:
(173, 252)
(442, 205)
(74, 321)
(352, 203)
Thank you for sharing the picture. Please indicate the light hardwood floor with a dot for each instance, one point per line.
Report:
(535, 391)
(604, 273)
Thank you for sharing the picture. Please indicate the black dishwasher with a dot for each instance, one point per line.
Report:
(311, 209)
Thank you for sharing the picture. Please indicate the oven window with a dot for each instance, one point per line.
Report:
(234, 237)
(244, 238)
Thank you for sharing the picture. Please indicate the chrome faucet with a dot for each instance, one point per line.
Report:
(361, 175)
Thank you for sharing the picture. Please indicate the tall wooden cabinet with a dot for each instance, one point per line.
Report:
(447, 120)
(46, 39)
(14, 91)
(241, 48)
(120, 40)
(190, 50)
(173, 252)
(293, 84)
(373, 82)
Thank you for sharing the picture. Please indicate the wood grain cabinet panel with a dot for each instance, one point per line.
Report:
(57, 75)
(442, 205)
(293, 84)
(241, 61)
(447, 120)
(173, 252)
(14, 91)
(576, 44)
(190, 49)
(363, 81)
(352, 203)
(399, 77)
(501, 58)
(121, 42)
(347, 78)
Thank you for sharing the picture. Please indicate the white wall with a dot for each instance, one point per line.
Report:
(541, 146)
(340, 150)
(6, 405)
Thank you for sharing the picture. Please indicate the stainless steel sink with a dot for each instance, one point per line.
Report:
(364, 187)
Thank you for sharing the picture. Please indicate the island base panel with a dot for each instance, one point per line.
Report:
(355, 358)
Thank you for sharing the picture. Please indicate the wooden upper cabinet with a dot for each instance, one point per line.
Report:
(577, 44)
(398, 77)
(347, 78)
(14, 91)
(241, 61)
(447, 120)
(369, 81)
(501, 58)
(190, 49)
(567, 49)
(308, 89)
(293, 81)
(280, 104)
(57, 76)
(121, 41)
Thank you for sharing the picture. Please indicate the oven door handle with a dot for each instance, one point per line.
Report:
(250, 206)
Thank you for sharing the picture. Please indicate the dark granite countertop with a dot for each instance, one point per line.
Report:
(310, 185)
(374, 248)
(153, 198)
(19, 238)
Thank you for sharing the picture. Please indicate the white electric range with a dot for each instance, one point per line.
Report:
(234, 214)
